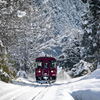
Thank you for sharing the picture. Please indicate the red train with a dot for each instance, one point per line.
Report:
(46, 69)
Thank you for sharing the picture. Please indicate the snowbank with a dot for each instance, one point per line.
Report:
(95, 74)
(87, 88)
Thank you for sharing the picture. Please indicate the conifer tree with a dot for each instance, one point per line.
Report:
(91, 26)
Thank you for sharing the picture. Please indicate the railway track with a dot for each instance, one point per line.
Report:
(32, 93)
(41, 93)
(29, 92)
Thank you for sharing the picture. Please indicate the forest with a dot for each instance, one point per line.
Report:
(67, 30)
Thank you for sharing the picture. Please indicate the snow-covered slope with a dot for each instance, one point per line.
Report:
(86, 88)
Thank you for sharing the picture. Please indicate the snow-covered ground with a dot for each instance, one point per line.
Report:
(83, 88)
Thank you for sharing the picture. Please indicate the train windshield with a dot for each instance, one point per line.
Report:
(53, 64)
(38, 64)
(45, 65)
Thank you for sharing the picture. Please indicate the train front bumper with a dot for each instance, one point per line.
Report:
(45, 78)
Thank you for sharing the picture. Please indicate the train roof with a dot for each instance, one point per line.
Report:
(45, 58)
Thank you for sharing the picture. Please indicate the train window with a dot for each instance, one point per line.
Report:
(39, 64)
(45, 65)
(52, 64)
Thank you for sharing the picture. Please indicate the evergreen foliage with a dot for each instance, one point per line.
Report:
(71, 53)
(91, 26)
(7, 73)
(29, 29)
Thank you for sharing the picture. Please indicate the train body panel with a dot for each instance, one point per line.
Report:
(46, 69)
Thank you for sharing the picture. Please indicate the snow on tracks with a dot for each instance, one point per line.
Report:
(24, 92)
(16, 92)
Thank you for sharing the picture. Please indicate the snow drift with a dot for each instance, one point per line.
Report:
(86, 88)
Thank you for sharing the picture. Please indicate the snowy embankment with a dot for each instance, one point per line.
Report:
(86, 88)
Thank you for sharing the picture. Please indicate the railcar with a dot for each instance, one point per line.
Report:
(45, 69)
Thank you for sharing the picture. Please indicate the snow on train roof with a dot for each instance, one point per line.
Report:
(45, 58)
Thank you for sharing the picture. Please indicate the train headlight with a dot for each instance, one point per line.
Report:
(52, 71)
(39, 71)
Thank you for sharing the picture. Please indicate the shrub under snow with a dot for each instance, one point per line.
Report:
(21, 74)
(81, 68)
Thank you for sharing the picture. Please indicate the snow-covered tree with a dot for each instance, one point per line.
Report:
(72, 50)
(91, 26)
(80, 69)
(30, 28)
(25, 26)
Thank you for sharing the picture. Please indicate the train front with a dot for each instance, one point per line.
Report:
(46, 70)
